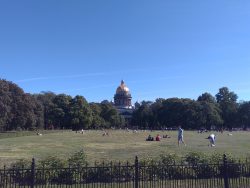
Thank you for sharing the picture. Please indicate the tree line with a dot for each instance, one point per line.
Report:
(47, 110)
(208, 112)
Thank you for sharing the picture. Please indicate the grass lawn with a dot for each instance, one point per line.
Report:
(119, 145)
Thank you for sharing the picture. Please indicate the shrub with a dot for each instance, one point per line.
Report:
(78, 159)
(52, 162)
(203, 165)
(21, 172)
(169, 159)
(21, 164)
(50, 169)
(195, 158)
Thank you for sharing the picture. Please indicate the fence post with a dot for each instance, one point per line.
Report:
(225, 173)
(32, 185)
(136, 172)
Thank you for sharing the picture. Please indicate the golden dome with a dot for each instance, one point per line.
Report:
(122, 88)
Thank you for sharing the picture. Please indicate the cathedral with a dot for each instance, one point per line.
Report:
(122, 101)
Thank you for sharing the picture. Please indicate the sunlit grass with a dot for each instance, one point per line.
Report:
(119, 145)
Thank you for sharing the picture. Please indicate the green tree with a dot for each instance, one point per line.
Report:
(60, 111)
(207, 97)
(227, 101)
(80, 113)
(171, 112)
(19, 110)
(98, 121)
(111, 116)
(244, 114)
(46, 100)
(143, 117)
(211, 112)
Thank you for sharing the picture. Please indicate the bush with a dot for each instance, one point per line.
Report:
(21, 172)
(78, 159)
(196, 158)
(49, 170)
(169, 159)
(52, 162)
(21, 164)
(64, 176)
(203, 165)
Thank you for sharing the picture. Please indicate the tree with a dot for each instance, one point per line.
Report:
(155, 107)
(46, 100)
(111, 116)
(211, 111)
(98, 121)
(143, 117)
(19, 110)
(207, 97)
(228, 105)
(244, 114)
(60, 111)
(171, 112)
(80, 113)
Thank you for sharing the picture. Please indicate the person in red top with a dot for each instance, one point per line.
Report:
(158, 138)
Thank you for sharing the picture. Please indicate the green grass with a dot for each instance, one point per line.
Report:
(119, 145)
(11, 134)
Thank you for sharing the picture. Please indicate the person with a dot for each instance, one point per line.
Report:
(158, 138)
(39, 134)
(105, 133)
(180, 136)
(211, 138)
(150, 138)
(166, 136)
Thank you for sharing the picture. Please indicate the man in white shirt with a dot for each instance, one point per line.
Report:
(180, 136)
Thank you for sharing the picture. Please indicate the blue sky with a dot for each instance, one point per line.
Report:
(161, 48)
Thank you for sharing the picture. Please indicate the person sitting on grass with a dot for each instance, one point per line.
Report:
(150, 138)
(39, 134)
(158, 138)
(166, 136)
(105, 133)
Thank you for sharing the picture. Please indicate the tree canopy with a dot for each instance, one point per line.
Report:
(47, 110)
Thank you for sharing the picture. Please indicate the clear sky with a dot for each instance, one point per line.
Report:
(161, 48)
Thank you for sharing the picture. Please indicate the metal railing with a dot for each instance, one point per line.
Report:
(137, 175)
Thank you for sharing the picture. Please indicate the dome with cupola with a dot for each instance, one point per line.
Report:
(122, 96)
(122, 89)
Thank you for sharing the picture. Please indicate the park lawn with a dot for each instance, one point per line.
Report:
(119, 145)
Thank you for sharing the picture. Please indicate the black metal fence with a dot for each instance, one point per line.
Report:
(136, 175)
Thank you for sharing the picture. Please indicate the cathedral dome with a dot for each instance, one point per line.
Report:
(122, 89)
(123, 97)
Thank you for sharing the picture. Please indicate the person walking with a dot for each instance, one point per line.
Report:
(180, 136)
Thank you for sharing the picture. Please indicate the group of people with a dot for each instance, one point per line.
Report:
(211, 138)
(150, 138)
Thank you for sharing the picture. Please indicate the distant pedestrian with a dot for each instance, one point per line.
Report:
(180, 136)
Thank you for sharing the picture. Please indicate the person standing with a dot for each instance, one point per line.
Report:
(180, 136)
